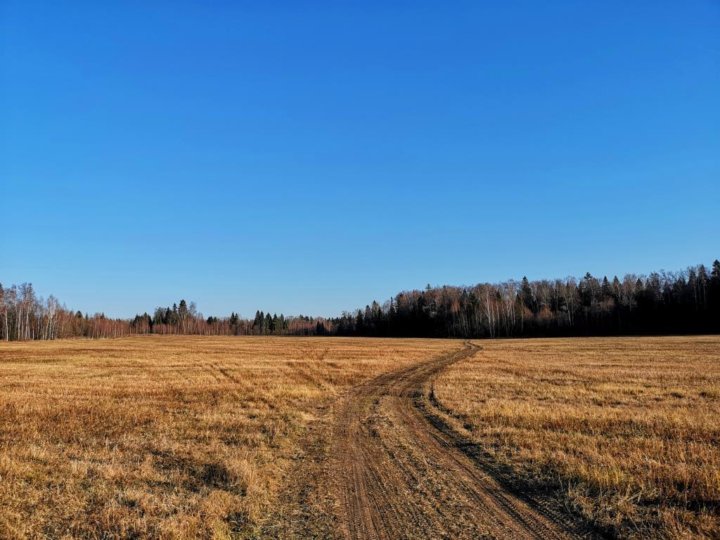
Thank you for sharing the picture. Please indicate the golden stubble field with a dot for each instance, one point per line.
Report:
(166, 437)
(218, 437)
(625, 430)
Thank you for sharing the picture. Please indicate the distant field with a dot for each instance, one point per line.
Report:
(222, 437)
(629, 428)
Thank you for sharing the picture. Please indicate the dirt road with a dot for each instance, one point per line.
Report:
(400, 472)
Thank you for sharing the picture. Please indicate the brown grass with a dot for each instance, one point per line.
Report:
(196, 437)
(626, 431)
(166, 437)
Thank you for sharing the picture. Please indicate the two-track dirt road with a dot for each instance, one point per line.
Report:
(400, 475)
(389, 467)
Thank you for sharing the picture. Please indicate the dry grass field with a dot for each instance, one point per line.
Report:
(166, 437)
(627, 430)
(222, 437)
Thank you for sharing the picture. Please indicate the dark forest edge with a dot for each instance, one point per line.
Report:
(686, 302)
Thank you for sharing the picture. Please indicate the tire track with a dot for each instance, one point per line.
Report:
(400, 472)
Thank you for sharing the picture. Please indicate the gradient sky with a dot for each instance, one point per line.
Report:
(310, 157)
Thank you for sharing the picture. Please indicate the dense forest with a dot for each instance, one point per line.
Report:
(661, 303)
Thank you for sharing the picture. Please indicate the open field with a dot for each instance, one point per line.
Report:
(218, 437)
(626, 429)
(176, 437)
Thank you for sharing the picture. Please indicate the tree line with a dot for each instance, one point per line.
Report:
(25, 316)
(685, 302)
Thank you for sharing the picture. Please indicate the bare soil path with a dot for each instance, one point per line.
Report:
(386, 465)
(402, 473)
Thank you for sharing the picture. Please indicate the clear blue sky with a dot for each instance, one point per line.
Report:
(310, 157)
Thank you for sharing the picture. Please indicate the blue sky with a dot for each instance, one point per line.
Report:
(310, 157)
